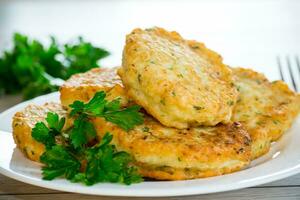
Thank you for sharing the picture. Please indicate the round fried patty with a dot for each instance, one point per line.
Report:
(172, 154)
(266, 109)
(181, 83)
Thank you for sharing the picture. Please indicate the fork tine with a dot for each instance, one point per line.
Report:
(291, 73)
(280, 68)
(298, 66)
(297, 63)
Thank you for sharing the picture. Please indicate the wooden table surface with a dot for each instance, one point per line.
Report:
(246, 33)
(287, 189)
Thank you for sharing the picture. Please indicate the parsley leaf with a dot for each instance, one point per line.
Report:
(113, 105)
(77, 108)
(46, 134)
(54, 122)
(105, 164)
(94, 107)
(126, 118)
(59, 162)
(82, 132)
(42, 133)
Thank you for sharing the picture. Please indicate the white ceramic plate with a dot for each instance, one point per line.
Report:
(282, 161)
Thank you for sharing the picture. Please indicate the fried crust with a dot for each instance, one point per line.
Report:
(181, 83)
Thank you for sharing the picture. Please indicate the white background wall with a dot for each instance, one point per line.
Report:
(246, 33)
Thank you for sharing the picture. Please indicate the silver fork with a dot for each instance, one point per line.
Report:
(289, 70)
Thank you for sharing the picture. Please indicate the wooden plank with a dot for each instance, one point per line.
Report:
(8, 101)
(11, 186)
(290, 181)
(285, 193)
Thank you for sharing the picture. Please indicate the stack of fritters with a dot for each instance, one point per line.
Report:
(202, 118)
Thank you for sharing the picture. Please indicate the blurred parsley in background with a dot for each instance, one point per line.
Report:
(32, 69)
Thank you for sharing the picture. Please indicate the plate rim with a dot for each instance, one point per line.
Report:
(129, 192)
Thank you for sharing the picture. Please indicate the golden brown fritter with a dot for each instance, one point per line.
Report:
(25, 120)
(173, 154)
(266, 109)
(83, 86)
(181, 83)
(160, 152)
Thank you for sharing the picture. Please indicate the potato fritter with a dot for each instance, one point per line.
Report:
(83, 86)
(25, 120)
(160, 152)
(173, 154)
(266, 109)
(180, 83)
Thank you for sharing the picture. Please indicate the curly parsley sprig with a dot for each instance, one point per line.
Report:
(79, 160)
